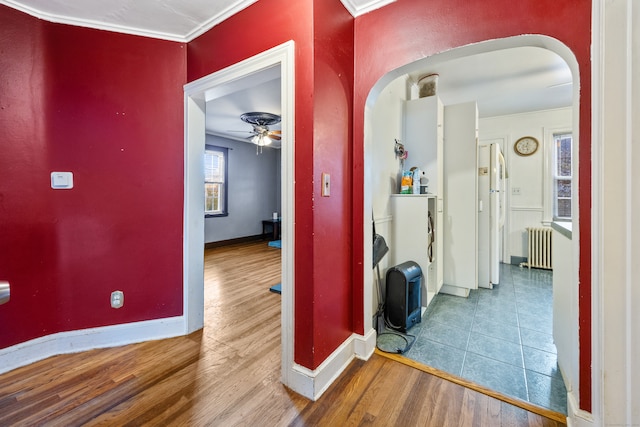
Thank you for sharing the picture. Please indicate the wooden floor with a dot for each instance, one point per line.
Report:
(229, 374)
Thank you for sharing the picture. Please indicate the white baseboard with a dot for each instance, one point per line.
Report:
(313, 383)
(577, 417)
(309, 383)
(88, 339)
(455, 290)
(365, 344)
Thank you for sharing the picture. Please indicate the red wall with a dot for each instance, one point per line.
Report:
(332, 121)
(323, 99)
(107, 107)
(408, 30)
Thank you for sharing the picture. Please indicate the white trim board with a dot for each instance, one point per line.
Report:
(360, 7)
(313, 383)
(195, 94)
(88, 339)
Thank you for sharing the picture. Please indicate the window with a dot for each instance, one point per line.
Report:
(215, 181)
(562, 143)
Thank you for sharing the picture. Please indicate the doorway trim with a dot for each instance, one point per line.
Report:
(196, 94)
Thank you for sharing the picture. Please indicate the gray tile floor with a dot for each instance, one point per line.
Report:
(500, 338)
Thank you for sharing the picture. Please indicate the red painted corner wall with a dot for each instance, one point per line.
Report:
(323, 35)
(107, 107)
(409, 30)
(332, 136)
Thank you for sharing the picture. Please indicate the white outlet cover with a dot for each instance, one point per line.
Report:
(117, 299)
(61, 180)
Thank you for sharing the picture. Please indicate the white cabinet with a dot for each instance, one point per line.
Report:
(414, 232)
(461, 201)
(423, 138)
(442, 142)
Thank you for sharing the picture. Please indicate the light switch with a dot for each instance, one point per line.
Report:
(61, 180)
(326, 185)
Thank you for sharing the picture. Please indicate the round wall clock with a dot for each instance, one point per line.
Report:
(526, 146)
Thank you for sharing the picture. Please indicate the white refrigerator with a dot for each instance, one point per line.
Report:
(491, 213)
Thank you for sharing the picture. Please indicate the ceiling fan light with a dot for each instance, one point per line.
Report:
(261, 140)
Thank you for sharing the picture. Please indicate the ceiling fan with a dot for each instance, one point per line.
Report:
(261, 134)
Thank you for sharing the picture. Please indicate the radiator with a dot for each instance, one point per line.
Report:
(539, 247)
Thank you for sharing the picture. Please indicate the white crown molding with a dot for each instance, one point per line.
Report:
(355, 8)
(360, 7)
(217, 19)
(88, 23)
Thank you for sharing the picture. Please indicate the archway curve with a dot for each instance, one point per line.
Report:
(540, 41)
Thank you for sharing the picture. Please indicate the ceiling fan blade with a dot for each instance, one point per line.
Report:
(274, 135)
(276, 131)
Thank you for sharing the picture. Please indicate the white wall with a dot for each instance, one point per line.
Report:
(565, 311)
(253, 190)
(387, 127)
(532, 207)
(531, 175)
(616, 209)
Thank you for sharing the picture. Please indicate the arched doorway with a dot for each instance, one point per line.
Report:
(374, 197)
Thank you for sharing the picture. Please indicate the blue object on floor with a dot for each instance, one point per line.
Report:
(276, 244)
(276, 288)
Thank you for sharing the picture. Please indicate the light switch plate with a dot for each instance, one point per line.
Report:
(326, 185)
(61, 180)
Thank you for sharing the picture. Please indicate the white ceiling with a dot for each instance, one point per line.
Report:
(260, 93)
(506, 81)
(177, 20)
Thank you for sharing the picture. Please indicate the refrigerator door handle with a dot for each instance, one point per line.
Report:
(503, 173)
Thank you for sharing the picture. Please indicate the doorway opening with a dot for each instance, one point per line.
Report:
(196, 95)
(382, 169)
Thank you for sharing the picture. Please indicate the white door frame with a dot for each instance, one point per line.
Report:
(196, 94)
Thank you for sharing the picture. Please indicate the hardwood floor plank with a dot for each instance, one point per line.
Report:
(229, 374)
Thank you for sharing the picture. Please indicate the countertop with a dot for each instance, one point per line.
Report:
(563, 227)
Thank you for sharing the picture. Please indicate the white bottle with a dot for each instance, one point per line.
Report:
(416, 181)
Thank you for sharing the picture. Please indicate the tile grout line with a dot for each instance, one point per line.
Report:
(466, 348)
(524, 365)
(473, 312)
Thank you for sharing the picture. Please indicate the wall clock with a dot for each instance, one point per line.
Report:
(526, 146)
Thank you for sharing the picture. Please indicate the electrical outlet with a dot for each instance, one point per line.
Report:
(117, 299)
(515, 191)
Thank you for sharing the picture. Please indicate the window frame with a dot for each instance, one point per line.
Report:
(224, 211)
(555, 177)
